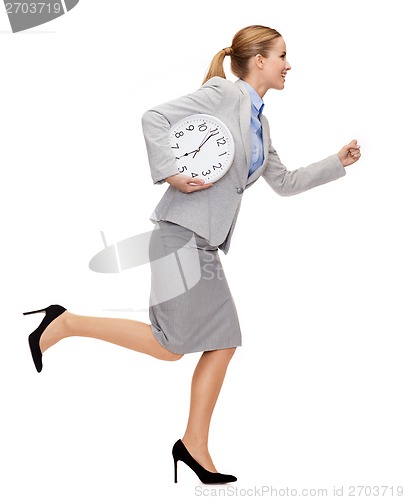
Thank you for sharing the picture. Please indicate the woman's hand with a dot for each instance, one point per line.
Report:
(187, 184)
(350, 153)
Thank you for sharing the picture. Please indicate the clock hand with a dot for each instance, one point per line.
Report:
(212, 133)
(195, 150)
(205, 138)
(185, 154)
(201, 145)
(208, 135)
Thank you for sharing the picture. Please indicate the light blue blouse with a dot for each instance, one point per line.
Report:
(255, 129)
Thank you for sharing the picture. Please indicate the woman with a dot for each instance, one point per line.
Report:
(198, 218)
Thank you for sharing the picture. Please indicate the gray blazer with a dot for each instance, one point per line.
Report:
(212, 212)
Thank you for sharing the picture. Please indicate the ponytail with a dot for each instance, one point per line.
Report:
(217, 64)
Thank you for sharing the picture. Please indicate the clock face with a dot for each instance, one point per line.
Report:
(203, 147)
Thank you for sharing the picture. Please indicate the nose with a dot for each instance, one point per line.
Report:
(287, 65)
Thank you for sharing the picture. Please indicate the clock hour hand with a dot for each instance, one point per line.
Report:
(208, 135)
(186, 154)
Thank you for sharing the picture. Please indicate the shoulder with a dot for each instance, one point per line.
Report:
(215, 94)
(222, 85)
(222, 91)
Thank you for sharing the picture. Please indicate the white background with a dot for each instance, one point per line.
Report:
(314, 398)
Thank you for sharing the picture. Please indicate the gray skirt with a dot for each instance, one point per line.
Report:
(190, 307)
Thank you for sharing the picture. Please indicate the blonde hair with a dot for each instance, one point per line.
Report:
(246, 43)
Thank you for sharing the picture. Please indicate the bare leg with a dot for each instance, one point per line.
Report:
(127, 333)
(207, 380)
(205, 388)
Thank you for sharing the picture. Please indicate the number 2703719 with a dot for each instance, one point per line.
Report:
(33, 7)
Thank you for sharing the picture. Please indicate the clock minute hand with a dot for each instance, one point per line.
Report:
(211, 134)
(205, 138)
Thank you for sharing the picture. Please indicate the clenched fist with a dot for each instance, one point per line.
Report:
(350, 153)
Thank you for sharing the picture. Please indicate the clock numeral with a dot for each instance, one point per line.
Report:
(206, 173)
(179, 134)
(221, 141)
(222, 154)
(182, 169)
(176, 146)
(202, 127)
(194, 175)
(217, 166)
(190, 128)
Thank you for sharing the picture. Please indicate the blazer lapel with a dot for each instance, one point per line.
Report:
(244, 119)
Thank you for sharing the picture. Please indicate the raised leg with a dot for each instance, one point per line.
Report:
(127, 333)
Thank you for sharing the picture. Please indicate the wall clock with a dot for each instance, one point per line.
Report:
(203, 147)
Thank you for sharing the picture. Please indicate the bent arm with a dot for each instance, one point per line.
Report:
(290, 182)
(156, 124)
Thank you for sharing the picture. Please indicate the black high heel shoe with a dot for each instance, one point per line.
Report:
(51, 313)
(180, 452)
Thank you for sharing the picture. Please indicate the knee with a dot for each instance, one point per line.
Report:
(172, 356)
(223, 354)
(230, 352)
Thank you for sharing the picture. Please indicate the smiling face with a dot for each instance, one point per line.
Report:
(269, 72)
(275, 66)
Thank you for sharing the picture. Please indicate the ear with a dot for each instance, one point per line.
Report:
(259, 61)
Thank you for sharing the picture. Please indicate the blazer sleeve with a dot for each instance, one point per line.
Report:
(157, 121)
(289, 182)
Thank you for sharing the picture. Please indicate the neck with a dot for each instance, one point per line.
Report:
(254, 83)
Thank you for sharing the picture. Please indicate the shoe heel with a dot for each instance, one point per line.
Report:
(34, 312)
(51, 313)
(175, 470)
(181, 453)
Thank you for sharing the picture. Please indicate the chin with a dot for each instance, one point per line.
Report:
(279, 85)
